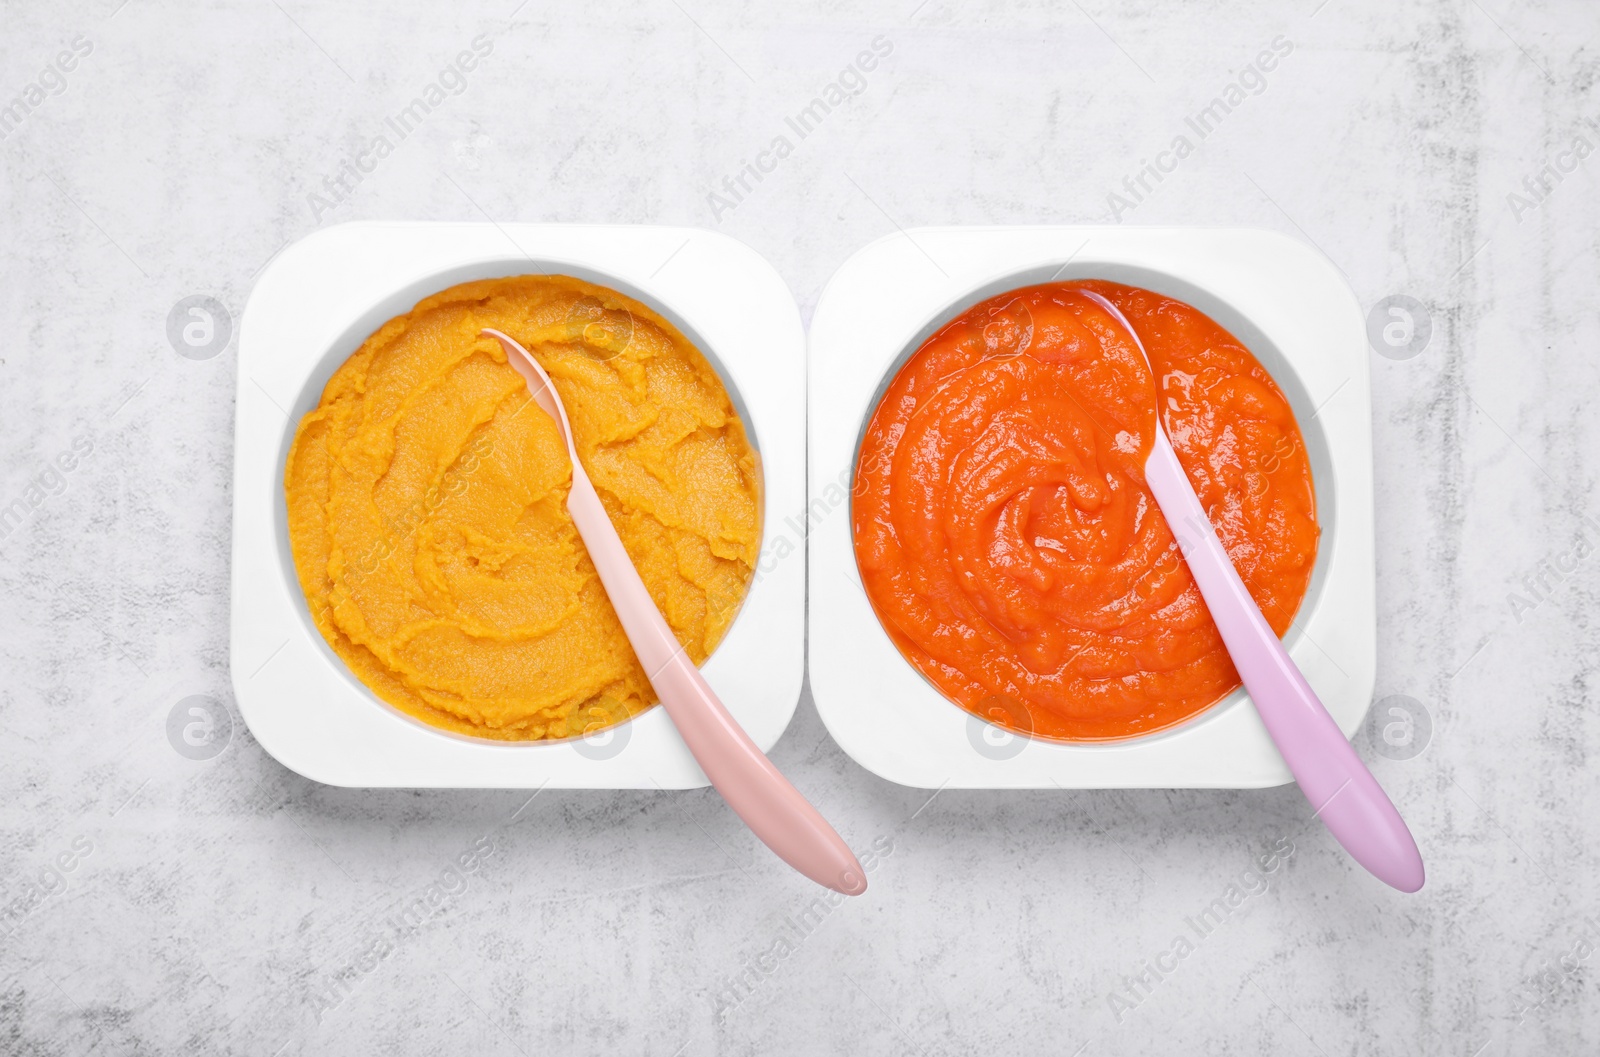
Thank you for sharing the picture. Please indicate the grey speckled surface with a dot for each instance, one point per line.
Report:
(160, 904)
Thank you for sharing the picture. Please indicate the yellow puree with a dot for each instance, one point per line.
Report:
(427, 506)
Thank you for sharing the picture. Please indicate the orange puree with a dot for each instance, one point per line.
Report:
(1007, 539)
(427, 515)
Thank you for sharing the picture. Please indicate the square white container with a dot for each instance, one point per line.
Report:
(313, 306)
(1289, 306)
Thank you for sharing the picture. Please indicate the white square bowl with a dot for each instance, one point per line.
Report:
(313, 306)
(1288, 305)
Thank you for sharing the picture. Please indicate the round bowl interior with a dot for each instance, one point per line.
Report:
(1231, 320)
(401, 301)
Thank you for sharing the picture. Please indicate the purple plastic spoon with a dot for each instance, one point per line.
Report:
(1347, 798)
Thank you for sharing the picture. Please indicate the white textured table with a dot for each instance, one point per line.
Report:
(159, 903)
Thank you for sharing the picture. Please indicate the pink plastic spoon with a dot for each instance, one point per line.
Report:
(755, 789)
(1346, 796)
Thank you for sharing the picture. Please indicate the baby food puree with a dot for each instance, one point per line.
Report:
(1007, 539)
(427, 506)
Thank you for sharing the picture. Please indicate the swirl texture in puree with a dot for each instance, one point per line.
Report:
(427, 506)
(1007, 539)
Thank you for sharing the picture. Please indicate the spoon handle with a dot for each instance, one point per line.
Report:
(757, 791)
(1346, 796)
